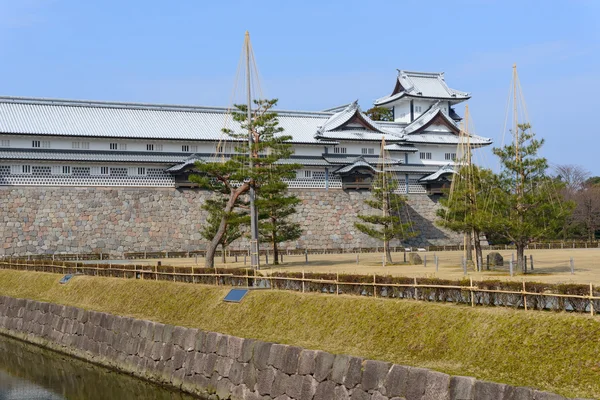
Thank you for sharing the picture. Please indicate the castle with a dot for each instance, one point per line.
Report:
(54, 147)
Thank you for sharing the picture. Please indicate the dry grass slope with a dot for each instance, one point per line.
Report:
(553, 351)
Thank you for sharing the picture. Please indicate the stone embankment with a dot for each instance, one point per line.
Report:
(219, 366)
(119, 220)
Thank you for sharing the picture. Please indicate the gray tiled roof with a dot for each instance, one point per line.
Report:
(333, 128)
(356, 164)
(423, 84)
(399, 147)
(446, 169)
(307, 161)
(133, 120)
(164, 158)
(424, 169)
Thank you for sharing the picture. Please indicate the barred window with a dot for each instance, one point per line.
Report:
(104, 171)
(5, 143)
(425, 156)
(185, 148)
(339, 150)
(369, 150)
(36, 143)
(450, 156)
(26, 169)
(150, 147)
(114, 146)
(66, 170)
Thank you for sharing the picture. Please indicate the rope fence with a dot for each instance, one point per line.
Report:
(525, 295)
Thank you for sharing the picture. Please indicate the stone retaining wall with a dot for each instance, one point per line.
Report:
(218, 366)
(118, 220)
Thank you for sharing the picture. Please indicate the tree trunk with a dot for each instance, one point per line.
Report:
(209, 262)
(388, 252)
(478, 251)
(274, 243)
(469, 246)
(521, 257)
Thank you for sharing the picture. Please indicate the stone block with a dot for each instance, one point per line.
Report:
(247, 351)
(280, 383)
(147, 330)
(414, 259)
(378, 396)
(223, 366)
(167, 334)
(234, 347)
(359, 394)
(178, 335)
(437, 386)
(199, 363)
(294, 386)
(249, 375)
(236, 372)
(277, 356)
(341, 393)
(461, 387)
(309, 387)
(290, 361)
(323, 365)
(488, 390)
(261, 354)
(209, 364)
(496, 259)
(306, 362)
(374, 374)
(517, 393)
(224, 388)
(188, 362)
(265, 380)
(539, 395)
(325, 391)
(158, 332)
(339, 368)
(211, 340)
(189, 339)
(396, 381)
(415, 386)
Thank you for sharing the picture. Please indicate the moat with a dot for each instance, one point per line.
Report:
(30, 372)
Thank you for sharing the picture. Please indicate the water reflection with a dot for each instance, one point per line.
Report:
(32, 373)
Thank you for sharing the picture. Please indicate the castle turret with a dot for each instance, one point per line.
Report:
(416, 92)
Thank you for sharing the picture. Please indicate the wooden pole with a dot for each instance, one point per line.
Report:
(374, 287)
(337, 284)
(472, 294)
(416, 290)
(302, 281)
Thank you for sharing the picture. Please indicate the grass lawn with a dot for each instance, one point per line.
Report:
(557, 352)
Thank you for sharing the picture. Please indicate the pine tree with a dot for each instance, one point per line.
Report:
(467, 208)
(232, 178)
(275, 206)
(528, 204)
(387, 223)
(235, 220)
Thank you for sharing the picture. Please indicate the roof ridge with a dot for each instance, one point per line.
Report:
(139, 106)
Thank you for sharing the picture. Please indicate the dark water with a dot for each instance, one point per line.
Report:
(32, 373)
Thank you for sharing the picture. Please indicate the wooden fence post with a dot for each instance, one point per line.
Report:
(572, 266)
(337, 285)
(472, 294)
(524, 296)
(302, 281)
(591, 299)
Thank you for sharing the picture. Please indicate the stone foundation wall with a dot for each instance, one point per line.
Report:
(218, 366)
(118, 220)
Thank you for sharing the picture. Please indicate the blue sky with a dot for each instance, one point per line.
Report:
(317, 54)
